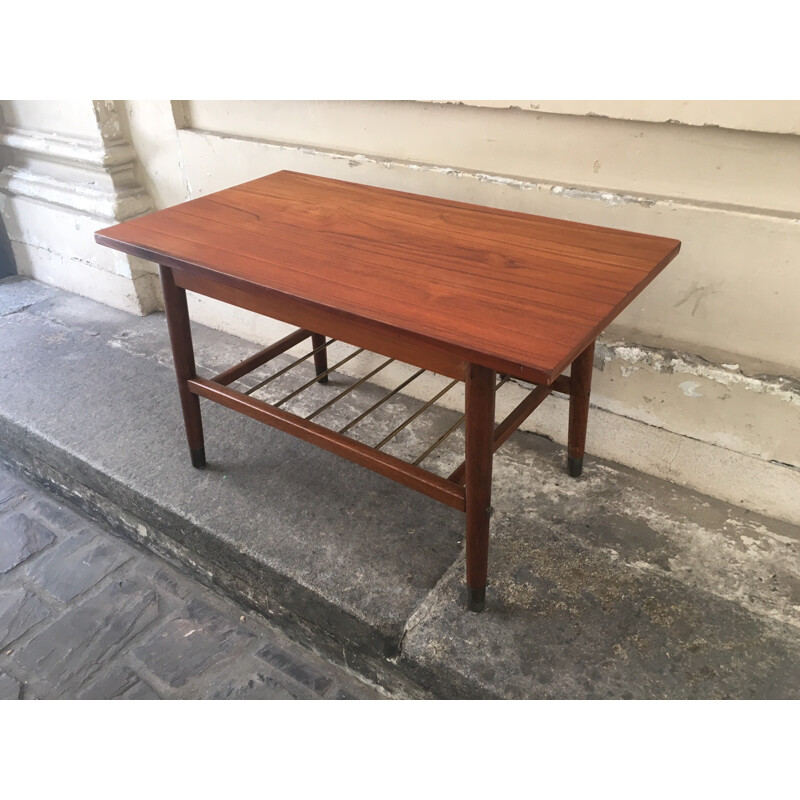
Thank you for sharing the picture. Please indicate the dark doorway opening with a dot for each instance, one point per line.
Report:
(7, 264)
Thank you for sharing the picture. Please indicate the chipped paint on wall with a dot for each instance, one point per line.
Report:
(357, 159)
(609, 198)
(669, 361)
(689, 388)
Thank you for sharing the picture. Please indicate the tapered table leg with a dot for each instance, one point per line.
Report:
(180, 336)
(479, 448)
(320, 358)
(580, 388)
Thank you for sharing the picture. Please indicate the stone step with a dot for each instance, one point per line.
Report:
(614, 585)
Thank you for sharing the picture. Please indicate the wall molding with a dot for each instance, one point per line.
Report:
(581, 191)
(58, 188)
(108, 156)
(110, 205)
(105, 186)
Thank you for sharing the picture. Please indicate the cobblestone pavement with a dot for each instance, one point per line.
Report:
(86, 615)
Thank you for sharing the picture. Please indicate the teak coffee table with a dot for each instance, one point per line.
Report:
(472, 293)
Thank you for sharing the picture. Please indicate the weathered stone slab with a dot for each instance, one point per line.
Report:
(66, 653)
(57, 516)
(18, 293)
(295, 667)
(118, 683)
(77, 564)
(10, 688)
(254, 681)
(615, 586)
(354, 563)
(20, 610)
(12, 492)
(182, 649)
(20, 538)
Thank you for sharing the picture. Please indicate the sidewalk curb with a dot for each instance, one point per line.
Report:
(118, 508)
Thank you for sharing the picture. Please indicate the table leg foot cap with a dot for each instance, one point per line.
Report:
(476, 599)
(323, 379)
(575, 466)
(198, 457)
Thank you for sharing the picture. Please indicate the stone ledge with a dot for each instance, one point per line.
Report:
(615, 585)
(125, 462)
(107, 204)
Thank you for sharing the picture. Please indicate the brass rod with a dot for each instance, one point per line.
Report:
(349, 389)
(316, 378)
(505, 428)
(260, 358)
(440, 440)
(381, 401)
(291, 366)
(453, 427)
(423, 481)
(415, 415)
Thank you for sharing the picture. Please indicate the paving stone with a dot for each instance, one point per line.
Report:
(66, 653)
(343, 694)
(12, 492)
(20, 610)
(292, 663)
(119, 682)
(185, 647)
(20, 538)
(140, 691)
(258, 682)
(58, 516)
(77, 564)
(73, 656)
(346, 687)
(167, 579)
(18, 293)
(10, 688)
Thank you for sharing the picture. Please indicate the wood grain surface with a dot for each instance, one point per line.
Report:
(495, 288)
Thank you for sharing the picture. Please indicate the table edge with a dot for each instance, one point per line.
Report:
(529, 371)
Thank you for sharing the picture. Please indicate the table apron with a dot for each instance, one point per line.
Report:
(330, 323)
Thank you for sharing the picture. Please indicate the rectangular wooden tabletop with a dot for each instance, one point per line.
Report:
(494, 287)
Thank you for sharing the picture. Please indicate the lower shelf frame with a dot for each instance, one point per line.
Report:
(449, 490)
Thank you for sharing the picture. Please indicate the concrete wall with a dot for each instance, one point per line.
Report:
(698, 381)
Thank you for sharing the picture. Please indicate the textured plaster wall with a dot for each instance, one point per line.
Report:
(699, 379)
(65, 171)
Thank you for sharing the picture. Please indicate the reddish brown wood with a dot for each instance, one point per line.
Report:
(580, 389)
(479, 447)
(380, 340)
(261, 357)
(505, 428)
(462, 290)
(490, 287)
(320, 357)
(561, 384)
(391, 467)
(180, 336)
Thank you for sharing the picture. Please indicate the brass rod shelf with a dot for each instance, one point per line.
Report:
(316, 378)
(291, 366)
(453, 428)
(390, 466)
(447, 489)
(349, 389)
